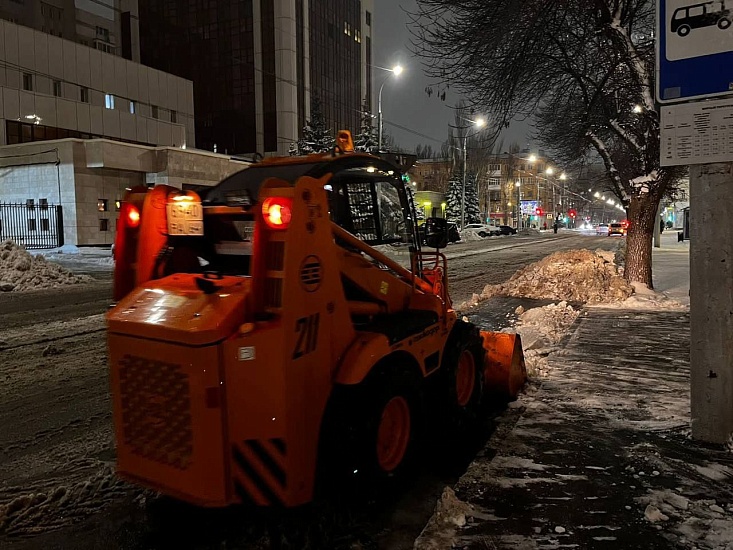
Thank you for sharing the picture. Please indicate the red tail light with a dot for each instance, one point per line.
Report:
(133, 216)
(277, 212)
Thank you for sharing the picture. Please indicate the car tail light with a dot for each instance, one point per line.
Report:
(277, 212)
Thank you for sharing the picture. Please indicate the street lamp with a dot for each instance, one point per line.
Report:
(395, 71)
(479, 123)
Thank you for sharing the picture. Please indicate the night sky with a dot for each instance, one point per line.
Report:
(404, 100)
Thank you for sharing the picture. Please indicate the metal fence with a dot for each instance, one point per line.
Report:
(32, 225)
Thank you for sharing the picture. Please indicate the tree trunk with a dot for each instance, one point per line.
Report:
(642, 217)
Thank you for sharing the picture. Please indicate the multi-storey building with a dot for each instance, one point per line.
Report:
(517, 184)
(110, 26)
(256, 64)
(79, 124)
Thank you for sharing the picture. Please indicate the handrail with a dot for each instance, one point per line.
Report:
(405, 274)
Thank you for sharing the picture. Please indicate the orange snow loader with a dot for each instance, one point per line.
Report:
(284, 324)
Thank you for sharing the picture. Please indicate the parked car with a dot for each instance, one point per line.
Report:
(505, 230)
(480, 229)
(453, 234)
(616, 229)
(602, 229)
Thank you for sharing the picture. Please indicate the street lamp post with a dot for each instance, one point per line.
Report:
(479, 123)
(518, 185)
(396, 71)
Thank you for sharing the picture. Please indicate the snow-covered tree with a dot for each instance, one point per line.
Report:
(293, 151)
(366, 140)
(317, 138)
(473, 210)
(453, 198)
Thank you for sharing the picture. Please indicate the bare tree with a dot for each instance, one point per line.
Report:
(583, 68)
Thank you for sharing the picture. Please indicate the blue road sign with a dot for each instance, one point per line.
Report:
(694, 49)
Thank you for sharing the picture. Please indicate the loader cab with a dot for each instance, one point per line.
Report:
(367, 196)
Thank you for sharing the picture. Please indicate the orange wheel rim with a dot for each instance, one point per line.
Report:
(393, 435)
(465, 378)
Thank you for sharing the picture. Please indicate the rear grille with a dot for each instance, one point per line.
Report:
(275, 255)
(274, 292)
(156, 411)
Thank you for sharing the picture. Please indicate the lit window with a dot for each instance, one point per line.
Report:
(102, 205)
(132, 107)
(118, 205)
(57, 88)
(109, 101)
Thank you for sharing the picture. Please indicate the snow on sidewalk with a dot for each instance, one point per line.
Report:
(601, 455)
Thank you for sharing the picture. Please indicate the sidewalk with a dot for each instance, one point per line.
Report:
(597, 453)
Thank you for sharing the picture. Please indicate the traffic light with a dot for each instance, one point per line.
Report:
(572, 213)
(406, 178)
(540, 212)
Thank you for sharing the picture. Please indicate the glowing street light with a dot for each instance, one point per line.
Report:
(638, 109)
(394, 71)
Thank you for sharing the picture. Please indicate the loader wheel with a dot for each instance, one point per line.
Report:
(460, 384)
(371, 430)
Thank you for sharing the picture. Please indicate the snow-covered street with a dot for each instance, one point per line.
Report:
(57, 488)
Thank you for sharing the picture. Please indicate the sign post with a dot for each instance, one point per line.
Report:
(695, 88)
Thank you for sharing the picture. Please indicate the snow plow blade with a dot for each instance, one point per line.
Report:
(504, 370)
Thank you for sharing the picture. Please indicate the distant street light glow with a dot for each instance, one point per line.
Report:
(532, 158)
(549, 171)
(397, 70)
(637, 109)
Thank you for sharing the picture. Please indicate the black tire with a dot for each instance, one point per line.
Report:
(482, 234)
(684, 30)
(458, 414)
(349, 456)
(723, 23)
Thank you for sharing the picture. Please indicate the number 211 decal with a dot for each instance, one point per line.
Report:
(307, 331)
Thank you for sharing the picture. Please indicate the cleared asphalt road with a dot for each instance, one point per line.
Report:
(57, 486)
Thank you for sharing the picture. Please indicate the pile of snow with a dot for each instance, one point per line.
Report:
(699, 523)
(647, 299)
(450, 514)
(470, 235)
(20, 271)
(542, 329)
(574, 275)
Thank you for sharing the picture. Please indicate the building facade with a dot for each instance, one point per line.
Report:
(517, 184)
(256, 64)
(88, 179)
(110, 26)
(54, 88)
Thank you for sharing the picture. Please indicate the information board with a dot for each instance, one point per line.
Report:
(697, 133)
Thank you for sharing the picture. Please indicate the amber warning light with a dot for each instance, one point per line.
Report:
(277, 212)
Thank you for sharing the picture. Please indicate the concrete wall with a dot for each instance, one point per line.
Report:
(49, 58)
(82, 174)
